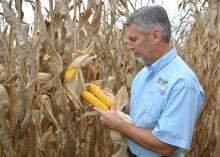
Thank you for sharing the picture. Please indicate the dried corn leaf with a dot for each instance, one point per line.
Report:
(47, 110)
(83, 60)
(3, 94)
(97, 15)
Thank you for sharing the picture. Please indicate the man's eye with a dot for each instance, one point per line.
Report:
(132, 39)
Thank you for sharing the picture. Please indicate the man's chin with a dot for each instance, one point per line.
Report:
(141, 60)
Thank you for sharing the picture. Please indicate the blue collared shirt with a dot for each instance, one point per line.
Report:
(166, 97)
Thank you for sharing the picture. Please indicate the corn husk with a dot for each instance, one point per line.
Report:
(116, 136)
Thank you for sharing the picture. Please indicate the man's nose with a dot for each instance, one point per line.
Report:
(130, 45)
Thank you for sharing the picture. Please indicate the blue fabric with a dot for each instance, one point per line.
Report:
(166, 97)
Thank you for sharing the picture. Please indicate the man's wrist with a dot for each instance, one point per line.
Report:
(122, 126)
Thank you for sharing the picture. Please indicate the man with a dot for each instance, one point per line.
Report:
(166, 96)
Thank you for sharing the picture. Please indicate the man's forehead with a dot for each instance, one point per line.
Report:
(132, 30)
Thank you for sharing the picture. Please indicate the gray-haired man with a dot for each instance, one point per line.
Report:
(166, 96)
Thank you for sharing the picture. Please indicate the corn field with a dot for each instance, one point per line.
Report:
(44, 115)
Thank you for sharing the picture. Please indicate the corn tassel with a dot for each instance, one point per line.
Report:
(101, 95)
(70, 72)
(94, 101)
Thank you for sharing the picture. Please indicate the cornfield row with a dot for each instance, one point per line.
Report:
(43, 115)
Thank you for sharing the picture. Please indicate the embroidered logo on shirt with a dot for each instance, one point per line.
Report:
(162, 84)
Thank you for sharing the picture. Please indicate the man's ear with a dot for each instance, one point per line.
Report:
(157, 35)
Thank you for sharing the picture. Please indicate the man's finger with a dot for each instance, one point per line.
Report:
(98, 110)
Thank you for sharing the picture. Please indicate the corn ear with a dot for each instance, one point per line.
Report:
(70, 72)
(101, 95)
(94, 101)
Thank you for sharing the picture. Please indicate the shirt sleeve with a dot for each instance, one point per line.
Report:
(176, 123)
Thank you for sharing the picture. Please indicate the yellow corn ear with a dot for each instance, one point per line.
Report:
(101, 95)
(70, 72)
(94, 101)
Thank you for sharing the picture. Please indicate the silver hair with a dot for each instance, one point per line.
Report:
(150, 17)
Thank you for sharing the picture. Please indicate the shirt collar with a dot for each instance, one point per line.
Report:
(162, 61)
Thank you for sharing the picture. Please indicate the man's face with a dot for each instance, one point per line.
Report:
(141, 44)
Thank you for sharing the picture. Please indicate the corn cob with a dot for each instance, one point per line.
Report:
(94, 101)
(101, 95)
(70, 72)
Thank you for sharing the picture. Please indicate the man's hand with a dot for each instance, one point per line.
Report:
(109, 118)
